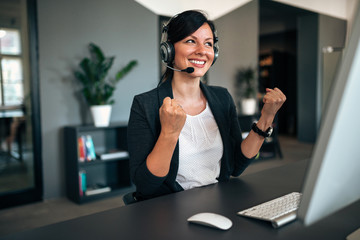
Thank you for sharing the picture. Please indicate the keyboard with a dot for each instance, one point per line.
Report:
(278, 211)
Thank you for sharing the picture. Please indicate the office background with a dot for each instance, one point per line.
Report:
(129, 31)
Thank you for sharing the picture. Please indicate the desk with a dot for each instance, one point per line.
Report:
(165, 217)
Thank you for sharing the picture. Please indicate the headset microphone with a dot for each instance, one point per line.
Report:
(188, 70)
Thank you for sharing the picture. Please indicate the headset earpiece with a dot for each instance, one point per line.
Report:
(216, 47)
(167, 52)
(216, 54)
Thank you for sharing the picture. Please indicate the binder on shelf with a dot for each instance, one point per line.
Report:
(81, 192)
(98, 189)
(82, 182)
(113, 155)
(90, 149)
(81, 149)
(86, 149)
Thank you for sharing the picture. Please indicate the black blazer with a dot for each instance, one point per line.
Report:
(144, 129)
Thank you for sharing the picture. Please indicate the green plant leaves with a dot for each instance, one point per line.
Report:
(126, 70)
(96, 53)
(97, 88)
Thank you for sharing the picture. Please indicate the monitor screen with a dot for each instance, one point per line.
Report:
(333, 178)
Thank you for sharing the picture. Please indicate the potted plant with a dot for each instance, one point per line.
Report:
(245, 84)
(98, 89)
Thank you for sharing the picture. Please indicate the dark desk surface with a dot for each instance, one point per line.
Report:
(165, 217)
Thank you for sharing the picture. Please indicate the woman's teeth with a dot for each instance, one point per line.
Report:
(197, 62)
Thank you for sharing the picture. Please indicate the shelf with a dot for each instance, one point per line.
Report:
(120, 190)
(98, 161)
(82, 175)
(90, 127)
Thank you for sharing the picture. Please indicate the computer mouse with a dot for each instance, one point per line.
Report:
(211, 220)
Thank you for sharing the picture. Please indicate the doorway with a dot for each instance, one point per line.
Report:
(20, 141)
(278, 58)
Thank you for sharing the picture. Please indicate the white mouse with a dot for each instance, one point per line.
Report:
(211, 220)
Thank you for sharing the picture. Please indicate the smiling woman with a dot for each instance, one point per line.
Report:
(185, 134)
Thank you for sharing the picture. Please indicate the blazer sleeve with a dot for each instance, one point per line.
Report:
(142, 136)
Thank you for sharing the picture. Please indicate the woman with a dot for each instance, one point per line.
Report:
(184, 134)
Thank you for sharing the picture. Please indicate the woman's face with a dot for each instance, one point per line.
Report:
(196, 50)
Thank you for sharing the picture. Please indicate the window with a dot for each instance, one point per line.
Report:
(11, 68)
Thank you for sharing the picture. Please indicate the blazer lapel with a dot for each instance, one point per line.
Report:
(164, 90)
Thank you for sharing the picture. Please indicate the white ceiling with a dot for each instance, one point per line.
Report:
(218, 8)
(214, 8)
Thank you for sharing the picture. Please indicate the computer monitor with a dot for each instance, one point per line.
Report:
(333, 176)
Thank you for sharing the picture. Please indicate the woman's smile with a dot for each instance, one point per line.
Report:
(198, 63)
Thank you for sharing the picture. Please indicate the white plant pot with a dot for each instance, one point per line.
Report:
(101, 115)
(248, 106)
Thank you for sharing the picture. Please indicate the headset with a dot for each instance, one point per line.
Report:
(167, 50)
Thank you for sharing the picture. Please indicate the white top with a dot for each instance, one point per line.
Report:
(200, 151)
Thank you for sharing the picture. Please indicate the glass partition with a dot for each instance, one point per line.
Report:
(20, 142)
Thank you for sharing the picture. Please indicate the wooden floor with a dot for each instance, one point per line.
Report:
(56, 210)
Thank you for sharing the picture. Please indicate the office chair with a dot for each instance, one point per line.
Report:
(129, 198)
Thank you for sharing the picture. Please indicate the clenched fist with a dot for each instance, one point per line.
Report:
(273, 100)
(172, 117)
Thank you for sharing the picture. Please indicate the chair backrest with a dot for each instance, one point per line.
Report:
(129, 198)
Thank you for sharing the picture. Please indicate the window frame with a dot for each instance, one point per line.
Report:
(19, 56)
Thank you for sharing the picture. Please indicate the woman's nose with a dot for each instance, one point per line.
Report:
(201, 49)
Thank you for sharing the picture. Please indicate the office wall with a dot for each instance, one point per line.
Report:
(314, 32)
(328, 62)
(124, 29)
(238, 34)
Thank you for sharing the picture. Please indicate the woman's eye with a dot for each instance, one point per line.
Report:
(190, 41)
(209, 44)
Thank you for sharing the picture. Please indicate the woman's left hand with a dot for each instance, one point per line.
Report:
(273, 100)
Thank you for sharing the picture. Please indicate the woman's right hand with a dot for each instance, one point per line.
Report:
(172, 117)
